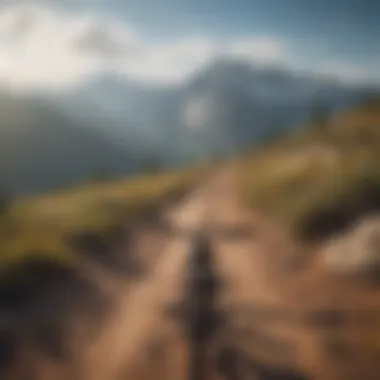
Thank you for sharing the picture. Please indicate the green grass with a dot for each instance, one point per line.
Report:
(319, 179)
(38, 227)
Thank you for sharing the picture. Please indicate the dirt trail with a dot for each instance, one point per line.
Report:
(122, 349)
(268, 306)
(300, 319)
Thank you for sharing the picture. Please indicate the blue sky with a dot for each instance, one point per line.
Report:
(350, 29)
(335, 37)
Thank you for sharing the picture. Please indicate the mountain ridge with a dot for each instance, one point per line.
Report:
(114, 123)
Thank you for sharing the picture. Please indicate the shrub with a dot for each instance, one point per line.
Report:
(5, 203)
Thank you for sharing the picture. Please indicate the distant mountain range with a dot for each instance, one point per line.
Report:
(226, 105)
(112, 124)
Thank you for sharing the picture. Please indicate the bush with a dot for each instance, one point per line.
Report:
(314, 198)
(5, 204)
(45, 223)
(150, 166)
(320, 115)
(336, 203)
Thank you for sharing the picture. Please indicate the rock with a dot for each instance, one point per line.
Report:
(356, 252)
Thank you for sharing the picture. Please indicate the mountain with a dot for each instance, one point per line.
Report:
(42, 149)
(110, 124)
(138, 116)
(226, 106)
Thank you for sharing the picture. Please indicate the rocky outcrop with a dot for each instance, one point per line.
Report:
(356, 252)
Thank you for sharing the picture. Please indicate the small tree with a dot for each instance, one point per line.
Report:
(273, 134)
(150, 165)
(320, 114)
(5, 203)
(100, 175)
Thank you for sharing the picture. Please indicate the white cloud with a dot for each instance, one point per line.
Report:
(44, 47)
(169, 62)
(16, 22)
(40, 47)
(346, 72)
(98, 38)
(259, 49)
(35, 49)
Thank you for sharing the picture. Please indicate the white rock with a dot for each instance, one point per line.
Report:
(356, 252)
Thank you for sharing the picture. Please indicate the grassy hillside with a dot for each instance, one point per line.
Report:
(320, 179)
(38, 227)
